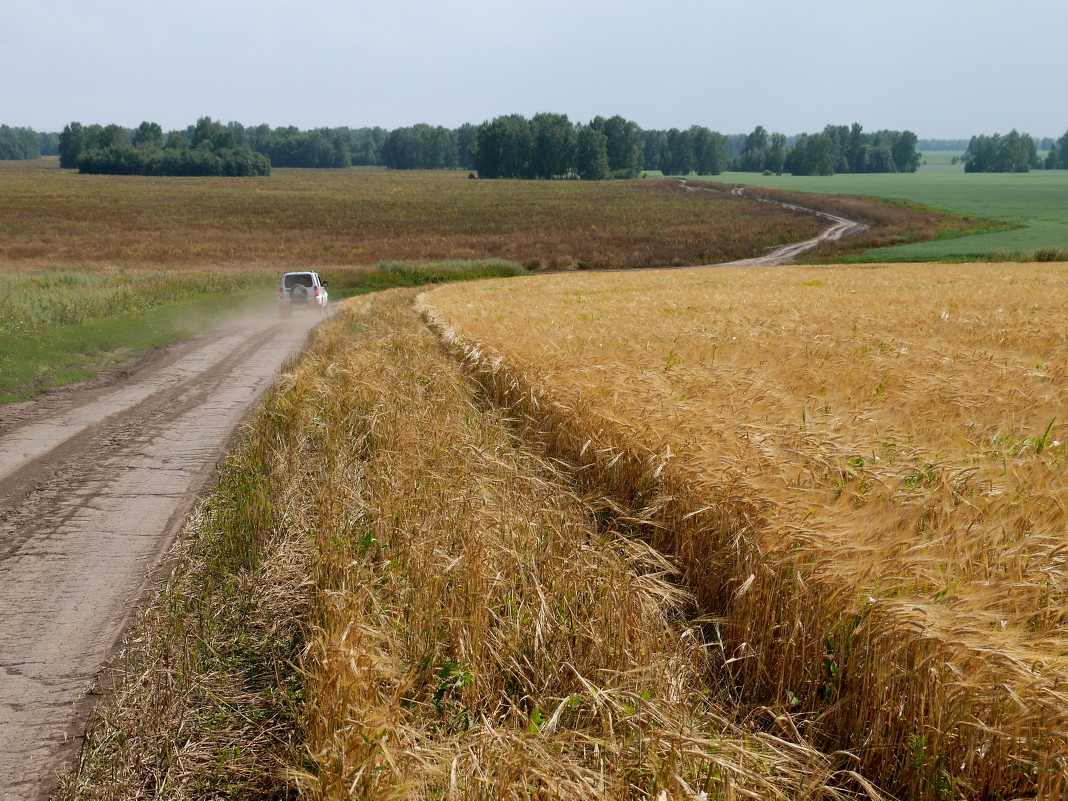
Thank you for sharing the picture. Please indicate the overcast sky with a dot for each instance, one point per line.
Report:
(941, 68)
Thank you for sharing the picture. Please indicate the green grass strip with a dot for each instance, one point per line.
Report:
(393, 274)
(60, 327)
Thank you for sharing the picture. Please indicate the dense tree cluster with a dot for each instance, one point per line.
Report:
(695, 150)
(209, 149)
(836, 149)
(76, 138)
(762, 152)
(1014, 152)
(49, 144)
(291, 147)
(425, 147)
(236, 150)
(848, 149)
(1057, 158)
(130, 160)
(550, 146)
(19, 143)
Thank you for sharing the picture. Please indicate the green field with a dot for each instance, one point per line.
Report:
(940, 158)
(1037, 200)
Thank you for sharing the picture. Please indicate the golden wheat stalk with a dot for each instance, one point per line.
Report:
(859, 471)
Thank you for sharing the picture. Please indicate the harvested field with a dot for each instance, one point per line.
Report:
(860, 471)
(349, 219)
(357, 218)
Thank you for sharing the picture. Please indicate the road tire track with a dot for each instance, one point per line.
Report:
(787, 254)
(94, 484)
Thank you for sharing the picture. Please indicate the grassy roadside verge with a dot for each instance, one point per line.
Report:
(203, 700)
(389, 596)
(59, 327)
(396, 274)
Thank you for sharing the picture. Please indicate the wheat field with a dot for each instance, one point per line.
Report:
(861, 471)
(391, 595)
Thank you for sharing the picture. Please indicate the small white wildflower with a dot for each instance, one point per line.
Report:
(871, 600)
(1004, 623)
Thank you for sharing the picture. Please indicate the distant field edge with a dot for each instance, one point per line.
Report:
(896, 223)
(1002, 217)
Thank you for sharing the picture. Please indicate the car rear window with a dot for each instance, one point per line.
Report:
(302, 279)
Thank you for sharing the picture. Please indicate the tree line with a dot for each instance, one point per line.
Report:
(19, 143)
(209, 149)
(1057, 157)
(550, 146)
(547, 145)
(1014, 152)
(848, 149)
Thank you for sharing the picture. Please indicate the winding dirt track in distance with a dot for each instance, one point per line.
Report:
(840, 226)
(94, 484)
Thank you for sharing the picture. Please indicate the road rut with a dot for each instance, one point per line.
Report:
(786, 254)
(94, 484)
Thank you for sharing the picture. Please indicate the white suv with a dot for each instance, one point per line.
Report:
(304, 290)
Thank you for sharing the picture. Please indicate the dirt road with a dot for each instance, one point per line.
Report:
(94, 484)
(840, 226)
